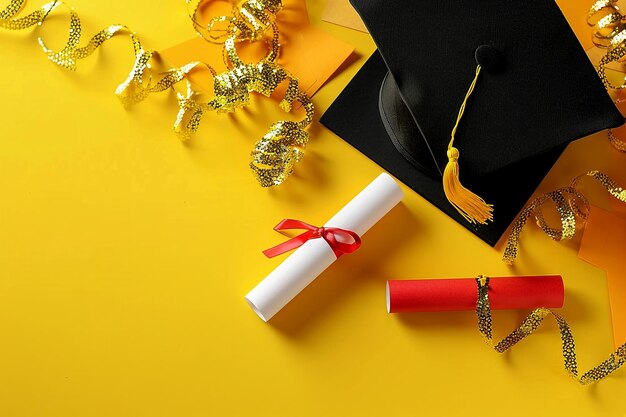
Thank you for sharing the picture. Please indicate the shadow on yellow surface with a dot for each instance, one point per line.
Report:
(317, 301)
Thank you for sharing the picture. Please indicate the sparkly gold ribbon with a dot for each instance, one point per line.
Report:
(248, 22)
(570, 205)
(609, 32)
(275, 154)
(530, 324)
(134, 89)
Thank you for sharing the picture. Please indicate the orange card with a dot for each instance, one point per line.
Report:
(604, 245)
(341, 12)
(576, 14)
(308, 53)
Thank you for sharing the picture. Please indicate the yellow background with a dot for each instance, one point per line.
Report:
(125, 256)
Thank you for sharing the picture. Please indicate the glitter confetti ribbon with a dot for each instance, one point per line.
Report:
(248, 22)
(276, 153)
(134, 89)
(609, 32)
(530, 324)
(570, 205)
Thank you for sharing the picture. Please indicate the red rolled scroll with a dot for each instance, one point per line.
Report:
(461, 294)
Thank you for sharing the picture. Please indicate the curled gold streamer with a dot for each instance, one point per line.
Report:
(248, 22)
(71, 52)
(609, 32)
(570, 204)
(274, 155)
(607, 23)
(618, 144)
(530, 324)
(138, 85)
(7, 15)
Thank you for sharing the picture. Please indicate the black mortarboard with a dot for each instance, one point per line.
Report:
(537, 91)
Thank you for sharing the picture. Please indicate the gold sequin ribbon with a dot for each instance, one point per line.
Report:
(275, 154)
(609, 32)
(530, 324)
(570, 205)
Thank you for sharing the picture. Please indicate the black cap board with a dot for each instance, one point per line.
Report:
(537, 92)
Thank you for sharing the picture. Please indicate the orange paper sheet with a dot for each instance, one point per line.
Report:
(341, 12)
(576, 14)
(308, 53)
(604, 245)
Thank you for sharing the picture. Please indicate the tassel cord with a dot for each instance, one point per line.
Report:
(473, 208)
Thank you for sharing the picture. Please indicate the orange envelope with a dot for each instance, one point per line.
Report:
(341, 12)
(604, 245)
(308, 53)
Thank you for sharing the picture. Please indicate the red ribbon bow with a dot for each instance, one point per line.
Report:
(340, 240)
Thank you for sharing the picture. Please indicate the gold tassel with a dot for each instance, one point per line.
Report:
(473, 208)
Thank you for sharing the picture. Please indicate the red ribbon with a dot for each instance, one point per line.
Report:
(341, 241)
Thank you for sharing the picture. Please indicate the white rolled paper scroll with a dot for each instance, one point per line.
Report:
(312, 258)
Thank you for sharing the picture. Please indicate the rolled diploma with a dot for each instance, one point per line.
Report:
(312, 258)
(461, 294)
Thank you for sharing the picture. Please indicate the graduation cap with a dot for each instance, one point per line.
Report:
(480, 95)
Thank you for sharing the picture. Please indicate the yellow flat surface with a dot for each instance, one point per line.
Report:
(125, 256)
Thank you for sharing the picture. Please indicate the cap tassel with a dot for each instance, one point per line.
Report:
(473, 208)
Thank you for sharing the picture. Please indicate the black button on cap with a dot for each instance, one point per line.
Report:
(488, 57)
